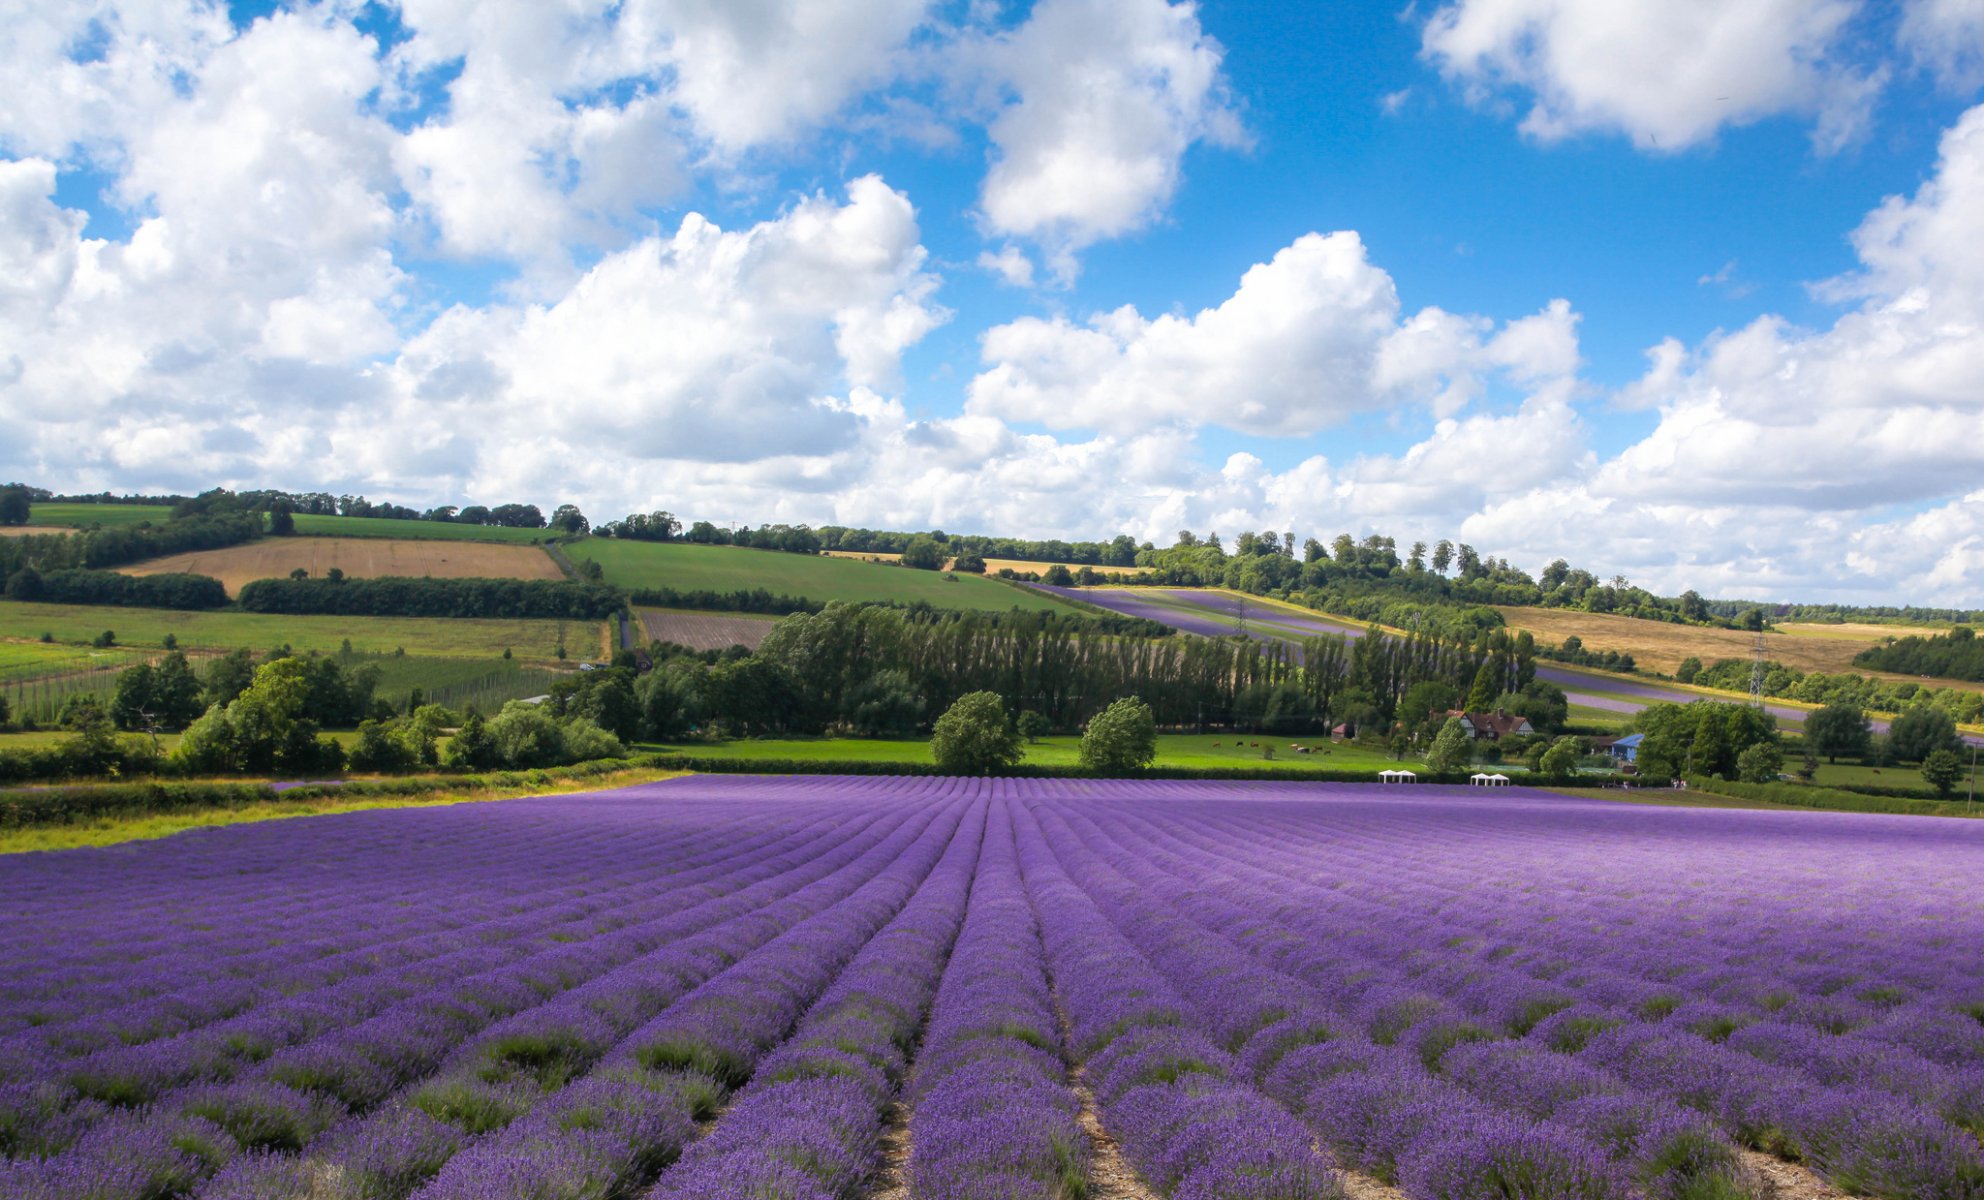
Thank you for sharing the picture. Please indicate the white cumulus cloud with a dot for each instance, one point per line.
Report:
(1666, 73)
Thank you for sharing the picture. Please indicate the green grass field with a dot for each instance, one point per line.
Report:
(432, 531)
(97, 514)
(436, 636)
(1173, 750)
(689, 568)
(34, 660)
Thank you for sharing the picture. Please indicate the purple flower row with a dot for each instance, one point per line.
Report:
(809, 1124)
(991, 1112)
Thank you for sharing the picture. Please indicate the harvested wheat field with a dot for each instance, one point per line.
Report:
(360, 558)
(992, 565)
(1661, 647)
(704, 631)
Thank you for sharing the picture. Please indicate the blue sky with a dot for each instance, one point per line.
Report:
(1688, 291)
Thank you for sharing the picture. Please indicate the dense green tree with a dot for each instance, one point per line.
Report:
(567, 519)
(666, 703)
(471, 749)
(924, 553)
(1486, 686)
(1838, 728)
(1426, 703)
(1760, 762)
(282, 519)
(229, 676)
(1705, 737)
(606, 698)
(24, 585)
(1690, 667)
(1561, 758)
(1943, 769)
(380, 749)
(263, 730)
(166, 696)
(973, 737)
(1120, 738)
(969, 563)
(885, 705)
(1451, 748)
(15, 504)
(1031, 725)
(1920, 732)
(1543, 703)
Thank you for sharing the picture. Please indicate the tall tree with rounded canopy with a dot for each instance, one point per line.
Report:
(974, 737)
(1122, 737)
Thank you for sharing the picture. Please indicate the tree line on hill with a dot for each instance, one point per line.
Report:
(872, 670)
(1819, 687)
(1958, 654)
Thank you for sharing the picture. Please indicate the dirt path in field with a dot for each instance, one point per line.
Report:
(1789, 1181)
(1363, 1187)
(892, 1181)
(1110, 1175)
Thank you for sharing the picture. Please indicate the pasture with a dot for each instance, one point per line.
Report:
(227, 630)
(688, 568)
(326, 525)
(107, 515)
(273, 558)
(924, 989)
(704, 631)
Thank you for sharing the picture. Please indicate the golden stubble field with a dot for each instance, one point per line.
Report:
(360, 558)
(1661, 647)
(992, 565)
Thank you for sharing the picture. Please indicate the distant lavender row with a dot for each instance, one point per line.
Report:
(745, 987)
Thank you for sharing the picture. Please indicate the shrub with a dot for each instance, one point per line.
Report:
(974, 737)
(1122, 737)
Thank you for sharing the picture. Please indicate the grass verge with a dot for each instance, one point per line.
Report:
(322, 801)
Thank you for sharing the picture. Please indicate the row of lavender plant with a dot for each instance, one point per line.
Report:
(682, 1064)
(992, 1115)
(364, 1028)
(809, 1126)
(1879, 1132)
(1185, 1112)
(190, 937)
(1890, 1147)
(614, 1124)
(208, 983)
(297, 1092)
(1382, 1106)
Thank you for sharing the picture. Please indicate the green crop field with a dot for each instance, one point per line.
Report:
(97, 514)
(35, 660)
(690, 568)
(434, 636)
(432, 531)
(1173, 750)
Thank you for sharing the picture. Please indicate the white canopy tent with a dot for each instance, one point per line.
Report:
(1483, 779)
(1397, 777)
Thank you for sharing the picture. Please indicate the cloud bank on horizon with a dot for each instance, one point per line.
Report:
(1071, 268)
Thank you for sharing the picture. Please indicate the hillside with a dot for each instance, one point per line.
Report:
(686, 567)
(360, 558)
(320, 525)
(74, 515)
(1659, 646)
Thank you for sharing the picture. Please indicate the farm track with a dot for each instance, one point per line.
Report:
(906, 985)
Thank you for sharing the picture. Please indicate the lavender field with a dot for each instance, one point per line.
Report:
(980, 989)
